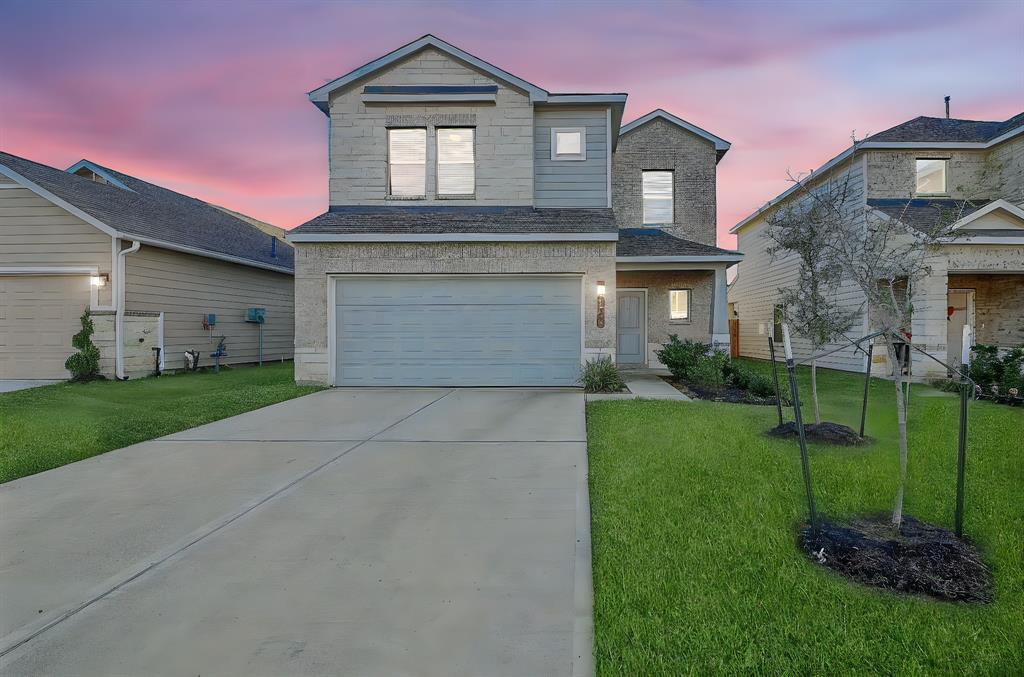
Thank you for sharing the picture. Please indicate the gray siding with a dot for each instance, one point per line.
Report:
(186, 287)
(571, 183)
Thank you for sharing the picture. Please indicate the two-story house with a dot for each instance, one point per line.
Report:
(920, 171)
(484, 231)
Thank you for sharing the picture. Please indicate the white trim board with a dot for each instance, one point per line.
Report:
(96, 169)
(50, 271)
(453, 237)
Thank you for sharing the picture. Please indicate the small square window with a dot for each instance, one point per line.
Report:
(679, 304)
(568, 143)
(931, 176)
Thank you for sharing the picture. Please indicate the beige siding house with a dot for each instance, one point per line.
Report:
(150, 264)
(918, 171)
(473, 235)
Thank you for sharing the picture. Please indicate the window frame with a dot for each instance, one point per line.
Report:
(689, 306)
(672, 198)
(426, 145)
(567, 157)
(437, 165)
(945, 175)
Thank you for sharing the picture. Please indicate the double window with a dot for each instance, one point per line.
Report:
(931, 176)
(657, 192)
(407, 162)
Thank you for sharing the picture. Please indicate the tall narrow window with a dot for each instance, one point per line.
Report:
(679, 304)
(931, 176)
(456, 168)
(657, 187)
(407, 162)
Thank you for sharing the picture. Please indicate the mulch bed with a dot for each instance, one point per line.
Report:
(823, 433)
(922, 559)
(728, 394)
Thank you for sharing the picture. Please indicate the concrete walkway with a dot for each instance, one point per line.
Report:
(10, 385)
(398, 532)
(642, 385)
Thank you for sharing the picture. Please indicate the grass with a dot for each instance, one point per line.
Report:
(694, 517)
(47, 427)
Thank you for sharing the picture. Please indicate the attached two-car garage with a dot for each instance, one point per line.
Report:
(466, 330)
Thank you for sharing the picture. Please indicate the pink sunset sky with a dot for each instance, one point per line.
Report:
(209, 98)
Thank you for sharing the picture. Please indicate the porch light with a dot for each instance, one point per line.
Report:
(600, 288)
(600, 304)
(99, 280)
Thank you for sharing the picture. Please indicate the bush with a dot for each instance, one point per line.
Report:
(988, 369)
(85, 364)
(681, 357)
(710, 370)
(601, 376)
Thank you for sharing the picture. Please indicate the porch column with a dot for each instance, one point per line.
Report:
(929, 325)
(720, 311)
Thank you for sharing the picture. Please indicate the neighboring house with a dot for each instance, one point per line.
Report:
(921, 171)
(485, 231)
(150, 263)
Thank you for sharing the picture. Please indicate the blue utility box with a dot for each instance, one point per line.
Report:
(256, 315)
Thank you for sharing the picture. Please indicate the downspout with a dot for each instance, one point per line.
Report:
(119, 312)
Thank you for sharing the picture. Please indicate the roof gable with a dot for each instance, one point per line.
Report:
(721, 145)
(321, 95)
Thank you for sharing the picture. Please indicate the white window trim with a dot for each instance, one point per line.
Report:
(672, 198)
(689, 307)
(945, 176)
(555, 131)
(426, 162)
(437, 166)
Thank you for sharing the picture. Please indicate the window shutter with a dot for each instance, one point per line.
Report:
(456, 167)
(657, 190)
(407, 159)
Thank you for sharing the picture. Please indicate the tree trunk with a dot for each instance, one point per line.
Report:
(901, 418)
(814, 391)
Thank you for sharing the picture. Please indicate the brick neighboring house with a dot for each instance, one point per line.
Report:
(484, 231)
(920, 171)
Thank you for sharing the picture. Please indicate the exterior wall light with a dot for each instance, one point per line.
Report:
(600, 304)
(99, 280)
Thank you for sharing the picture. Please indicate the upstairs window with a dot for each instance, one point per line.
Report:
(456, 167)
(657, 187)
(407, 162)
(931, 176)
(568, 143)
(679, 304)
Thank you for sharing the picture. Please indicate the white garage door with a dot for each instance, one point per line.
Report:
(38, 317)
(457, 331)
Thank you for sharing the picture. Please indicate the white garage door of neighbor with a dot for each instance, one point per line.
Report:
(457, 331)
(38, 317)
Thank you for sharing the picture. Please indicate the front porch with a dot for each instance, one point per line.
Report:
(667, 285)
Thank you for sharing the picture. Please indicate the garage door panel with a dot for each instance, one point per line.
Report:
(458, 331)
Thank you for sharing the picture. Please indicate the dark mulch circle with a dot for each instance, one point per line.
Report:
(823, 433)
(921, 559)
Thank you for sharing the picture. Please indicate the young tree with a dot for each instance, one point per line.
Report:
(811, 307)
(85, 364)
(883, 256)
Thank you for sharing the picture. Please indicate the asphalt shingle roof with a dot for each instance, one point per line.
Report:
(925, 214)
(942, 130)
(434, 219)
(149, 211)
(657, 242)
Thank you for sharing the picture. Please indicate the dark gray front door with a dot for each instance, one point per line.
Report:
(630, 320)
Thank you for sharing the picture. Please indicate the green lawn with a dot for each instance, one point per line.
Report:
(47, 427)
(696, 568)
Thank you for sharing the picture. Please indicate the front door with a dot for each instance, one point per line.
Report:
(630, 327)
(959, 313)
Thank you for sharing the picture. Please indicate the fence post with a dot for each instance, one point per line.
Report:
(867, 382)
(961, 459)
(775, 378)
(805, 461)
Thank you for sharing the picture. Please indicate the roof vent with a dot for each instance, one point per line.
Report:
(273, 246)
(946, 98)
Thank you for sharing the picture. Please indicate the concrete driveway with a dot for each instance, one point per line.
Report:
(397, 532)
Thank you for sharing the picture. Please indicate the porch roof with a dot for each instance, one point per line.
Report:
(657, 245)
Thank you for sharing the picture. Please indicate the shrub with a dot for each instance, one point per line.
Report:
(710, 370)
(85, 364)
(988, 368)
(681, 357)
(601, 376)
